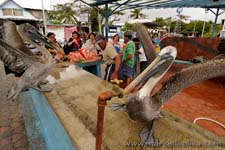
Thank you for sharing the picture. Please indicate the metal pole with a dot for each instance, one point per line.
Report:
(203, 28)
(102, 98)
(44, 19)
(193, 34)
(214, 25)
(99, 23)
(106, 15)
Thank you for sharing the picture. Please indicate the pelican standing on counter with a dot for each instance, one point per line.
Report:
(36, 69)
(143, 107)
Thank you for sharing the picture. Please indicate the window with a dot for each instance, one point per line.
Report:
(17, 12)
(7, 12)
(12, 12)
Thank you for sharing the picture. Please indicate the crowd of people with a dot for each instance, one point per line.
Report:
(121, 58)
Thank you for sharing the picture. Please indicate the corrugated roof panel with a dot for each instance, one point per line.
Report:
(158, 3)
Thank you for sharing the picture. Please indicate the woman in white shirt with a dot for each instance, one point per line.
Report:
(90, 43)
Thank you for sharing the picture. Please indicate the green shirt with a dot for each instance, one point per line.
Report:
(129, 49)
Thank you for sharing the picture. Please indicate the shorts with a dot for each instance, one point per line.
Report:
(108, 71)
(127, 71)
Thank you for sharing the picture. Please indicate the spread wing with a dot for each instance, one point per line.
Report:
(12, 37)
(13, 58)
(190, 75)
(33, 34)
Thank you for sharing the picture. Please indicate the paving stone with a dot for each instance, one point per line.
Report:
(12, 131)
(16, 125)
(22, 149)
(18, 130)
(22, 143)
(5, 123)
(7, 147)
(3, 129)
(17, 137)
(5, 132)
(5, 141)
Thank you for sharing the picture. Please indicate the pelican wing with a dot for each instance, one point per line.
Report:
(13, 58)
(12, 37)
(189, 76)
(33, 34)
(38, 70)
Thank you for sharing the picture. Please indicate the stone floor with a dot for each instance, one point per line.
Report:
(12, 131)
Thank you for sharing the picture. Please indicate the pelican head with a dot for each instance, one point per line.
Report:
(141, 106)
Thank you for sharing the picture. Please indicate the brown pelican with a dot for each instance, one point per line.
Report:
(12, 37)
(36, 69)
(147, 108)
(143, 107)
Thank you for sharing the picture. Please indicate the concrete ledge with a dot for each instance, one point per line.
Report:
(42, 125)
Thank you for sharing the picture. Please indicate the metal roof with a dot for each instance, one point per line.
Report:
(131, 4)
(120, 5)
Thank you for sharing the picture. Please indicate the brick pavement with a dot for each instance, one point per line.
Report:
(12, 130)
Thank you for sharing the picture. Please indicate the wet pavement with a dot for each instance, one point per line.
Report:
(12, 130)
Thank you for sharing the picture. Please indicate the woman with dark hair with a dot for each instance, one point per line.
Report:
(90, 43)
(74, 43)
(116, 43)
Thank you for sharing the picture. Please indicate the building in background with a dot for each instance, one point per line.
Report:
(21, 12)
(10, 10)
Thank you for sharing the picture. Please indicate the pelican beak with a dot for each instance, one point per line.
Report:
(146, 81)
(34, 34)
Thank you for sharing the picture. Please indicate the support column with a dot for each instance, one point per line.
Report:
(214, 25)
(44, 18)
(106, 15)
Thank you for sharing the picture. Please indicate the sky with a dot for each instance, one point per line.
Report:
(194, 13)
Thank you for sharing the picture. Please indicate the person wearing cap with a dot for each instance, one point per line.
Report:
(110, 58)
(128, 58)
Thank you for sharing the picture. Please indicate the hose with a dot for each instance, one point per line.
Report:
(214, 121)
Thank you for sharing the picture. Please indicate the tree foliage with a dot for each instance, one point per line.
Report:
(63, 13)
(127, 27)
(194, 26)
(160, 22)
(96, 17)
(136, 13)
(94, 20)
